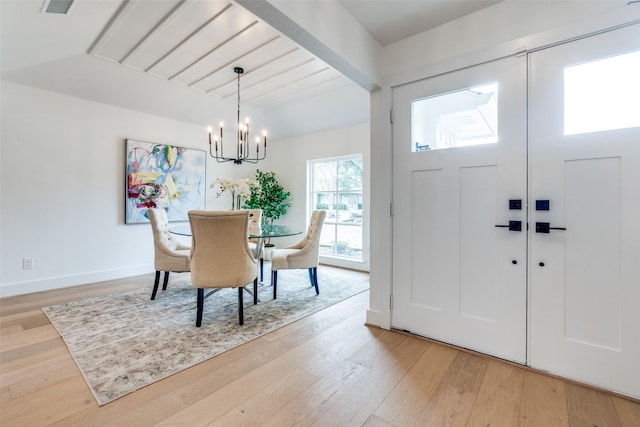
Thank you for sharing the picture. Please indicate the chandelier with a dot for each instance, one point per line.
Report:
(243, 147)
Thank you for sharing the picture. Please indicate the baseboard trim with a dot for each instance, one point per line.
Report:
(373, 318)
(28, 287)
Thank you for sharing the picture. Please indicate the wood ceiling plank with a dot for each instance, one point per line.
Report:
(197, 44)
(229, 54)
(214, 33)
(189, 17)
(130, 25)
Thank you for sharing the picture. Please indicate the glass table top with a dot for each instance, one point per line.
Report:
(273, 230)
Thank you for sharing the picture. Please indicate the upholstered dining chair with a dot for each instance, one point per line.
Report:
(303, 254)
(220, 256)
(255, 227)
(169, 253)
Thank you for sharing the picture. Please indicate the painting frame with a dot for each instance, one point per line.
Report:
(163, 176)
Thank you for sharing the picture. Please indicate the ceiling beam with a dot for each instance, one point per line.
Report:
(319, 27)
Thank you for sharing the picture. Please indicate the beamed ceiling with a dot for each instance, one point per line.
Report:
(197, 44)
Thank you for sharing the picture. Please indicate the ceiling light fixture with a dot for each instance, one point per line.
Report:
(242, 143)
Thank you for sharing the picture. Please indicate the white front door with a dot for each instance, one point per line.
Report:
(456, 276)
(585, 280)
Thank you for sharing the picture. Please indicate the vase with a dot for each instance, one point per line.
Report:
(268, 252)
(236, 201)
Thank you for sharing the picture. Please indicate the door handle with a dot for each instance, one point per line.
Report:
(544, 227)
(512, 226)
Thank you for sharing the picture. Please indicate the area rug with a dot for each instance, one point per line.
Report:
(125, 341)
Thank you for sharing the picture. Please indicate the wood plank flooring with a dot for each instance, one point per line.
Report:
(328, 369)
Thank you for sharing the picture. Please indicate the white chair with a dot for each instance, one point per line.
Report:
(220, 256)
(303, 254)
(169, 253)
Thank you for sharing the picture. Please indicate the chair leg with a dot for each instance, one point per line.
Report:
(166, 280)
(311, 276)
(240, 304)
(315, 280)
(261, 269)
(155, 286)
(274, 281)
(200, 307)
(255, 291)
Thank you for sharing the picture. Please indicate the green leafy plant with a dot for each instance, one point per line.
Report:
(267, 194)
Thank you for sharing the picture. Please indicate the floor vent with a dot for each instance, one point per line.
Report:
(57, 6)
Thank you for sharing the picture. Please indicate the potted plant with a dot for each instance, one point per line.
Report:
(267, 194)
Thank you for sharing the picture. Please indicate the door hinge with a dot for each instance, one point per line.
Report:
(391, 301)
(391, 115)
(391, 208)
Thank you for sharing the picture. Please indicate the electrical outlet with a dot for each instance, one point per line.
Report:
(27, 263)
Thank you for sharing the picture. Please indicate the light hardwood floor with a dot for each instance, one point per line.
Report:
(326, 369)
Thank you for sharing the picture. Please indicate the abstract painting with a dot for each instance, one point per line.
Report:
(163, 176)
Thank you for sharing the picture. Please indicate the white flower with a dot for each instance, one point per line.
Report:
(241, 187)
(244, 187)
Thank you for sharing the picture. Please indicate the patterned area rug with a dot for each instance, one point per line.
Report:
(125, 341)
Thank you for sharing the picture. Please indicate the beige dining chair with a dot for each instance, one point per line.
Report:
(255, 228)
(169, 253)
(303, 254)
(220, 256)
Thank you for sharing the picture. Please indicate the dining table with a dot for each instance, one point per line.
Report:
(267, 231)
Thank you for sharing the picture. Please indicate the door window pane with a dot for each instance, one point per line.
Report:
(602, 95)
(336, 186)
(456, 119)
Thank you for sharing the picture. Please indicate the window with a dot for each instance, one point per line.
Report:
(602, 95)
(456, 119)
(336, 186)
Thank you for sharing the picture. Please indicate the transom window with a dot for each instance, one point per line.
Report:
(602, 95)
(456, 119)
(336, 186)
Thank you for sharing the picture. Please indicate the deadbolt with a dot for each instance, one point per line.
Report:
(515, 204)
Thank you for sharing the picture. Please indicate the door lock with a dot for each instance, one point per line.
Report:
(512, 226)
(544, 227)
(515, 204)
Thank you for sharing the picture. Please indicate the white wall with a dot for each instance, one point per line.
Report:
(62, 183)
(288, 158)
